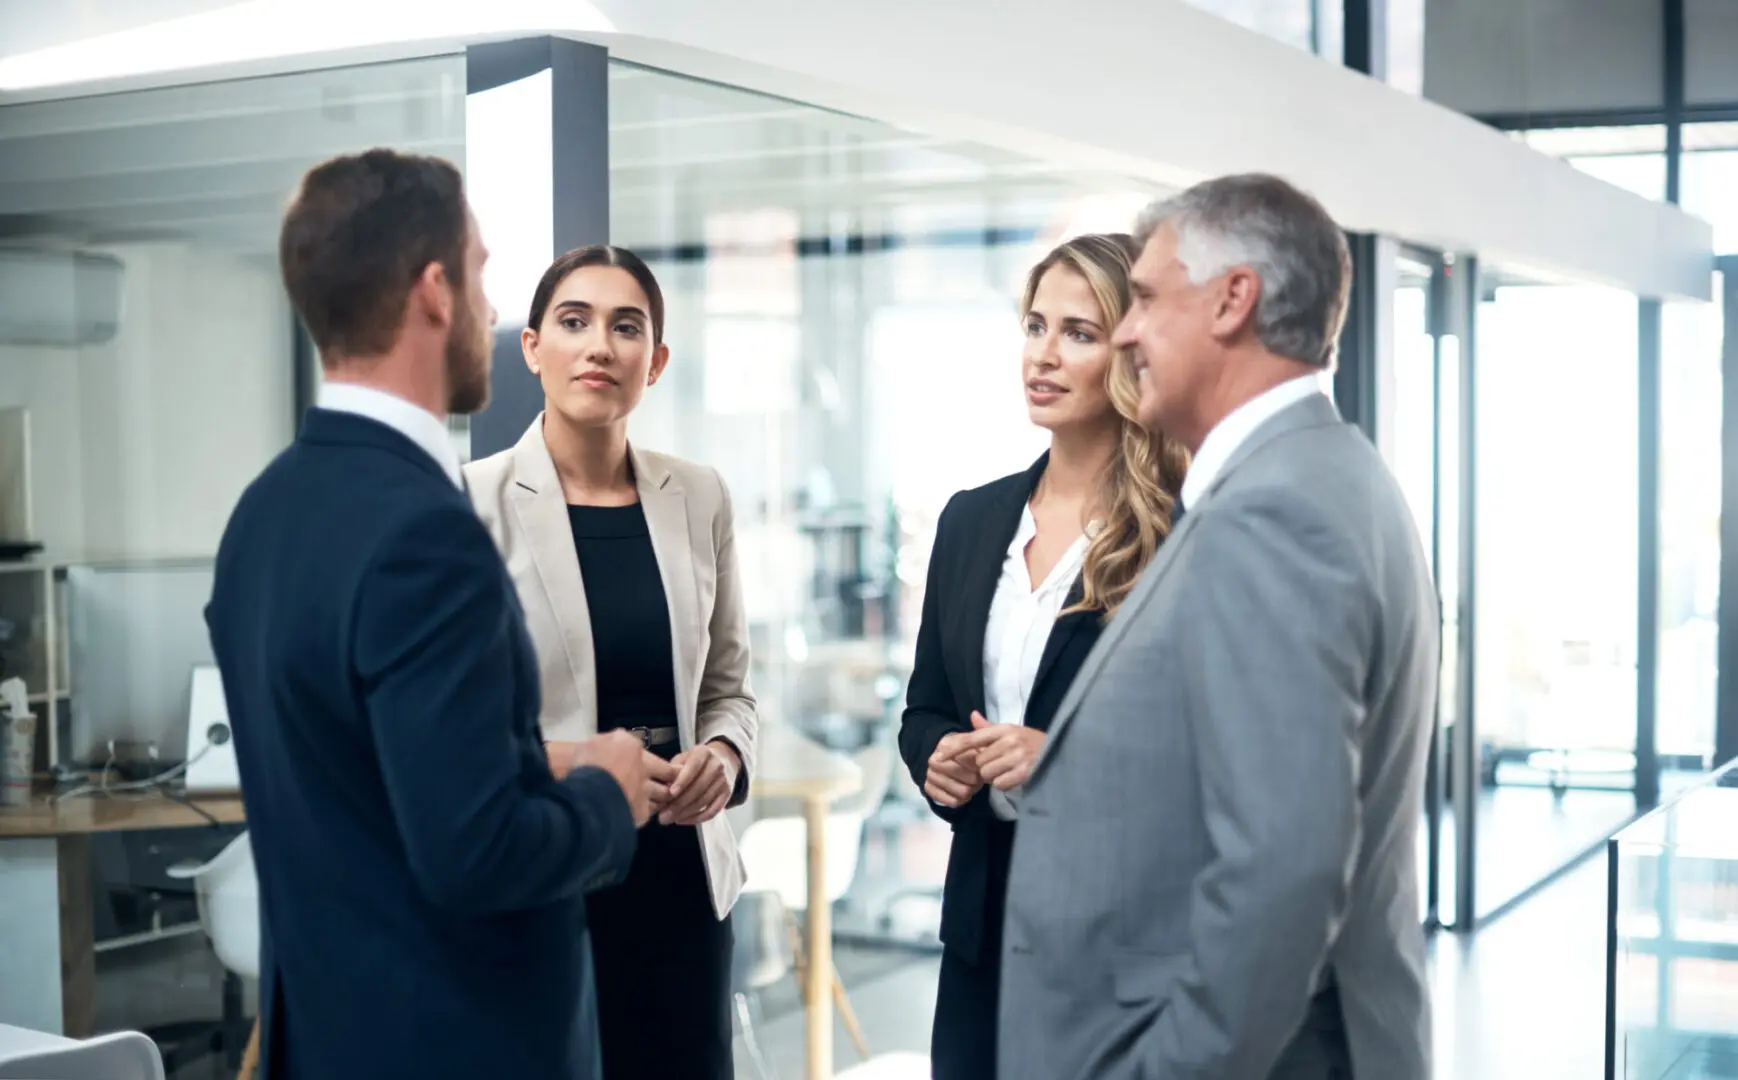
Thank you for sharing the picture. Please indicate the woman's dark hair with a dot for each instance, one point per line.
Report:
(598, 255)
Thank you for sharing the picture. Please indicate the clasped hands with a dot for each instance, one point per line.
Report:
(1000, 755)
(691, 788)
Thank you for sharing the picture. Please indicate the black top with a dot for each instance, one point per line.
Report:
(947, 684)
(630, 619)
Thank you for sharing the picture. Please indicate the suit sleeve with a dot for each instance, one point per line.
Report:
(727, 708)
(434, 651)
(930, 714)
(1282, 621)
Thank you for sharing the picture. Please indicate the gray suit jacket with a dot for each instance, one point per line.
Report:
(1224, 821)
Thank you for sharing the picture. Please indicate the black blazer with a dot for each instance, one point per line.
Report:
(947, 684)
(421, 873)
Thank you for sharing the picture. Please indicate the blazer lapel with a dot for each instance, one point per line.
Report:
(1113, 634)
(1314, 411)
(665, 503)
(541, 510)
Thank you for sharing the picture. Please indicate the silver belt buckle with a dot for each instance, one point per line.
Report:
(645, 734)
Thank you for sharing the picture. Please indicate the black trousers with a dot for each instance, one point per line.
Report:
(662, 961)
(962, 1045)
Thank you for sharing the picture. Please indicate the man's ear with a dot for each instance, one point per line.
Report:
(1235, 298)
(432, 296)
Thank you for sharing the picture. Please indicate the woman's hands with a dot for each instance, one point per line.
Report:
(700, 787)
(1001, 755)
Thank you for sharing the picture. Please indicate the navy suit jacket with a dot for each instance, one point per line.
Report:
(422, 875)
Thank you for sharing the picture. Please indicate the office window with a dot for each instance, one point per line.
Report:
(1632, 158)
(1556, 560)
(1690, 478)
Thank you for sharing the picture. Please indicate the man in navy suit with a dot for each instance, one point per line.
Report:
(422, 858)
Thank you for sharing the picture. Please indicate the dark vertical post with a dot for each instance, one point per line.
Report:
(1649, 358)
(579, 156)
(1726, 684)
(1673, 68)
(1366, 37)
(1464, 752)
(1355, 376)
(1647, 549)
(581, 141)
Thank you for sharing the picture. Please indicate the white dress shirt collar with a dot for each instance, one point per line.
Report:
(415, 423)
(1232, 432)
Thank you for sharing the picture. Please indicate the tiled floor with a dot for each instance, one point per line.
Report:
(1521, 1000)
(1524, 999)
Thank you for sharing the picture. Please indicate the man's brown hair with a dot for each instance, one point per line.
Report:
(360, 231)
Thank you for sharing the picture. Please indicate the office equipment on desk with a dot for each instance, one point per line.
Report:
(210, 757)
(17, 743)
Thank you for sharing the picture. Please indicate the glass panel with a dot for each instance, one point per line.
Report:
(835, 289)
(1632, 158)
(1690, 478)
(1556, 581)
(1295, 22)
(147, 375)
(1676, 970)
(1414, 446)
(1710, 178)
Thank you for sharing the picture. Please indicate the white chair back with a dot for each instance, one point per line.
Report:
(125, 1055)
(229, 906)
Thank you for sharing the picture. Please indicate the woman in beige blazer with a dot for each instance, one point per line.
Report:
(626, 568)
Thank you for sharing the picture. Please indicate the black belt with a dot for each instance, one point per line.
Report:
(655, 736)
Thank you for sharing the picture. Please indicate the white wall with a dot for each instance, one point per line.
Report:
(142, 445)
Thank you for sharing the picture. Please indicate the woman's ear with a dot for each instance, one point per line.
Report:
(528, 346)
(660, 358)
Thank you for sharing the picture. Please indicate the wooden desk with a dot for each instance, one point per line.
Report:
(792, 766)
(47, 941)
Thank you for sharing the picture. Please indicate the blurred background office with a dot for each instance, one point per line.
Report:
(841, 207)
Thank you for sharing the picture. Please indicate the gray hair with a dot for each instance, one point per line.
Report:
(1285, 236)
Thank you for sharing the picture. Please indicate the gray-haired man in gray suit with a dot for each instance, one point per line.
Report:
(1216, 873)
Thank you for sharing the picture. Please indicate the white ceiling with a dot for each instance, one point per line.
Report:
(214, 163)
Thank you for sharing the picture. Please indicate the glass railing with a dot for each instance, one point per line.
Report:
(1672, 939)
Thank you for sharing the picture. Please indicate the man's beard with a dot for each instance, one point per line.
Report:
(467, 366)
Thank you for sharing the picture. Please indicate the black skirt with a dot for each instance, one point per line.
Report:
(662, 962)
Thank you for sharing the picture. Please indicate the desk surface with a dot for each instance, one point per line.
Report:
(113, 813)
(792, 765)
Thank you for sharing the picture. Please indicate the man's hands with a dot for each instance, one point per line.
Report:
(1001, 755)
(618, 753)
(691, 788)
(703, 779)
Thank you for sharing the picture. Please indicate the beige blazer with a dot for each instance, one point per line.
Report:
(519, 498)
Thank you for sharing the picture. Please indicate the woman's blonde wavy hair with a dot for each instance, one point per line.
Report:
(1143, 480)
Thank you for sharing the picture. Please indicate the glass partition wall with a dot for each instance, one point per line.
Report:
(148, 371)
(845, 349)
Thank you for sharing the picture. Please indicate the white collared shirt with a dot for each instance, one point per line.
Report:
(415, 423)
(1222, 442)
(1021, 618)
